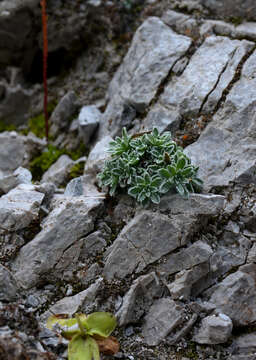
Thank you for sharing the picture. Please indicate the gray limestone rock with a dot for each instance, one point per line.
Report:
(162, 118)
(19, 207)
(246, 30)
(8, 181)
(214, 329)
(150, 235)
(74, 187)
(62, 114)
(197, 205)
(231, 8)
(235, 297)
(15, 102)
(203, 81)
(154, 51)
(183, 285)
(71, 304)
(146, 238)
(225, 152)
(182, 23)
(8, 286)
(40, 256)
(22, 148)
(244, 344)
(88, 121)
(195, 254)
(58, 172)
(97, 157)
(94, 165)
(93, 244)
(139, 298)
(163, 317)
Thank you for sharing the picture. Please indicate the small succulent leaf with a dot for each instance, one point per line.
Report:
(198, 183)
(165, 187)
(80, 348)
(155, 198)
(165, 173)
(101, 323)
(181, 163)
(171, 169)
(180, 189)
(134, 191)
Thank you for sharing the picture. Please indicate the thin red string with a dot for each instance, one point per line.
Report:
(45, 56)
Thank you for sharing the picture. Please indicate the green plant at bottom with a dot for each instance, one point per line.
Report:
(148, 165)
(84, 332)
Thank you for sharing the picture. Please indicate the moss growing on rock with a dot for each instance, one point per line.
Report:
(41, 163)
(36, 124)
(5, 127)
(76, 171)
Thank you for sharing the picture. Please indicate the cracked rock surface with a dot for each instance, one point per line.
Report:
(180, 276)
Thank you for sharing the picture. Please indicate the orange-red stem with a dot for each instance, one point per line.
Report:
(45, 55)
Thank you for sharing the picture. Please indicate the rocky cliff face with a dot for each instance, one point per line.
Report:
(180, 276)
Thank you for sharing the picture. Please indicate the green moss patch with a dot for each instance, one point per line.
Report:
(5, 127)
(40, 164)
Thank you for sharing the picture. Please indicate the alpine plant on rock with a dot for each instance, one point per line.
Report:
(148, 165)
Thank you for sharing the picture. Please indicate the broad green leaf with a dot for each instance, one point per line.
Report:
(101, 323)
(83, 348)
(68, 327)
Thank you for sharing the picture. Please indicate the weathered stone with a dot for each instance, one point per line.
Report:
(39, 257)
(139, 298)
(235, 297)
(71, 304)
(88, 121)
(15, 102)
(154, 51)
(246, 30)
(19, 207)
(22, 148)
(16, 31)
(214, 330)
(198, 205)
(162, 118)
(146, 238)
(163, 317)
(19, 176)
(203, 81)
(227, 256)
(59, 171)
(97, 157)
(8, 285)
(74, 187)
(195, 254)
(182, 23)
(93, 244)
(252, 254)
(149, 236)
(225, 151)
(244, 344)
(231, 8)
(62, 114)
(182, 286)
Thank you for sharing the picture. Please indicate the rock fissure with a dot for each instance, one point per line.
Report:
(236, 78)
